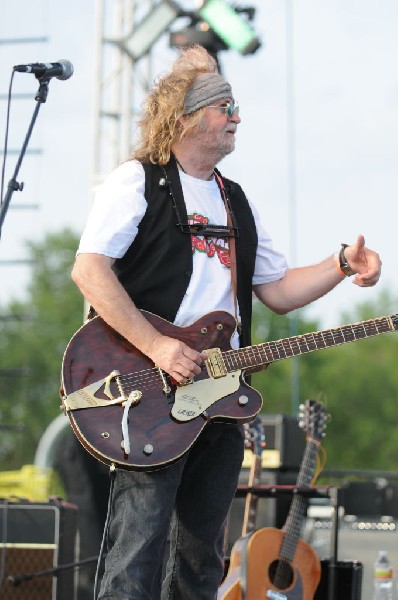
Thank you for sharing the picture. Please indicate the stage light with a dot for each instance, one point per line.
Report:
(201, 34)
(156, 22)
(233, 29)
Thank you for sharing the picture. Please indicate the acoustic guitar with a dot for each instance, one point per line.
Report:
(274, 563)
(128, 413)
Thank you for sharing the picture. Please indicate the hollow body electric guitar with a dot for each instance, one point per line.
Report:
(128, 413)
(274, 563)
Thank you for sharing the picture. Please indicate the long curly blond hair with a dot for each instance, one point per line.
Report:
(164, 105)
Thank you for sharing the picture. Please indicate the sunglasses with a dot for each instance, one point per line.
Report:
(227, 107)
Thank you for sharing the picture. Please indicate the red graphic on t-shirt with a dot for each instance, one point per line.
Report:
(211, 245)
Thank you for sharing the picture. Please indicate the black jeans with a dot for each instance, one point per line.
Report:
(187, 502)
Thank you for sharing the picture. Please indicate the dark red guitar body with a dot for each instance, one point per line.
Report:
(96, 350)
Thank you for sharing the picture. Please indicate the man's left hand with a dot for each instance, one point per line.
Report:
(365, 262)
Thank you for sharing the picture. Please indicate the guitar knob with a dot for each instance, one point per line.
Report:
(148, 449)
(243, 400)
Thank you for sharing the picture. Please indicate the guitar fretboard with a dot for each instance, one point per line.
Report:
(268, 352)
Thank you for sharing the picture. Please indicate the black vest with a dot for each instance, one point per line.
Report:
(156, 269)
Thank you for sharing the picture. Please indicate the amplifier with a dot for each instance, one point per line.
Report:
(285, 442)
(36, 537)
(370, 498)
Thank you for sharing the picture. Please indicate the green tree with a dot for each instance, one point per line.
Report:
(358, 382)
(275, 383)
(51, 311)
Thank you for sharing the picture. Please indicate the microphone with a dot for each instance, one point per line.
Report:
(63, 69)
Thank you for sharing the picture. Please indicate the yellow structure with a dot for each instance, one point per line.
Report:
(32, 483)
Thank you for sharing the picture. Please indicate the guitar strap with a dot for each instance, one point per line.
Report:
(231, 242)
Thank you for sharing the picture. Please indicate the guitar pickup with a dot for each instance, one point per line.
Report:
(215, 363)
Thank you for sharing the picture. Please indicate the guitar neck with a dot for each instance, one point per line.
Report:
(256, 357)
(292, 527)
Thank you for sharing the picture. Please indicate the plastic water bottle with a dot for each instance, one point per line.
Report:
(383, 577)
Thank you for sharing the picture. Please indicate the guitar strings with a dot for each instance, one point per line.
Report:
(145, 378)
(277, 350)
(288, 347)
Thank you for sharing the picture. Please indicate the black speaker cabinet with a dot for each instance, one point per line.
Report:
(370, 498)
(345, 578)
(284, 440)
(36, 537)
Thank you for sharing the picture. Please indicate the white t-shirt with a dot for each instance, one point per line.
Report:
(118, 208)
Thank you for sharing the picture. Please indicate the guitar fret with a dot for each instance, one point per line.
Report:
(251, 357)
(257, 355)
(280, 347)
(303, 344)
(230, 360)
(319, 340)
(267, 353)
(274, 350)
(348, 333)
(287, 347)
(239, 359)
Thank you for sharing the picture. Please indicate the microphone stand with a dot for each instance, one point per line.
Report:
(16, 580)
(13, 185)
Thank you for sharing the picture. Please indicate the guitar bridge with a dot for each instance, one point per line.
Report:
(215, 363)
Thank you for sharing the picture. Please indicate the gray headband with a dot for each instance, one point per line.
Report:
(206, 88)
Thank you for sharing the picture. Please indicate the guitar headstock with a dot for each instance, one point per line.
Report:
(254, 436)
(313, 419)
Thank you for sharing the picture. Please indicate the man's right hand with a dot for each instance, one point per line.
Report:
(176, 358)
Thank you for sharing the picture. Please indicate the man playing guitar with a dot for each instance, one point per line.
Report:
(169, 235)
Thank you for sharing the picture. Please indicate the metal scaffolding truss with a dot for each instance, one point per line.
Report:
(121, 83)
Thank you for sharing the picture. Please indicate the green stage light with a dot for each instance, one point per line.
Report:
(233, 29)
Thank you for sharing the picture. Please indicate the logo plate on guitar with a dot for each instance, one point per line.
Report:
(193, 399)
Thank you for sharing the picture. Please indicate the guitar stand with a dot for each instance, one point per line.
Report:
(335, 496)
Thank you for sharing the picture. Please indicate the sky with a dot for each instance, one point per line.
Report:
(316, 151)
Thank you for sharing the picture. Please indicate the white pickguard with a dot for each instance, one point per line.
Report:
(192, 399)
